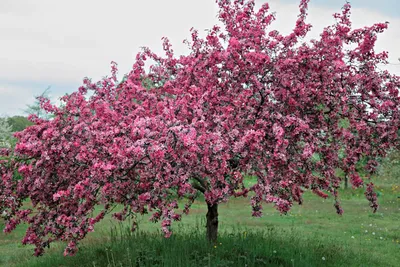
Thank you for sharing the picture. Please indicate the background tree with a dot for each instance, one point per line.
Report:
(18, 123)
(36, 109)
(246, 100)
(5, 132)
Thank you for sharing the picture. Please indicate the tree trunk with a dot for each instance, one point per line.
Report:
(212, 223)
(346, 181)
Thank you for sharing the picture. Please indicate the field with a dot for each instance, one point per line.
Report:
(310, 235)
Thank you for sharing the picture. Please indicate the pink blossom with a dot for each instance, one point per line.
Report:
(145, 197)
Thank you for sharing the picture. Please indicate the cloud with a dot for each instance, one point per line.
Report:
(13, 100)
(68, 40)
(58, 43)
(16, 96)
(386, 7)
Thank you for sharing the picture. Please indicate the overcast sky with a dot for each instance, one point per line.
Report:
(57, 43)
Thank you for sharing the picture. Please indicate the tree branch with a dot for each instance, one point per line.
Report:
(202, 182)
(199, 187)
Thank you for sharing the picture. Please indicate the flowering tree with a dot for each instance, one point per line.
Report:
(246, 100)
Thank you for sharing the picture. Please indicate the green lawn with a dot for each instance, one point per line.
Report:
(310, 235)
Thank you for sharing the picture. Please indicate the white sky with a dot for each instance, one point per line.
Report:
(57, 43)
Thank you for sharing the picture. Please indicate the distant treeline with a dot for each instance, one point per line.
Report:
(18, 123)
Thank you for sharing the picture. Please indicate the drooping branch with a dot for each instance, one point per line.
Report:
(199, 187)
(200, 184)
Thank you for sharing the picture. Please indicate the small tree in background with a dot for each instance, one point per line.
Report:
(5, 132)
(246, 100)
(36, 109)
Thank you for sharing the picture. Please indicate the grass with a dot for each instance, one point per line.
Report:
(310, 235)
(270, 247)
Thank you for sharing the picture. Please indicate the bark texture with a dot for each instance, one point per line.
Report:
(212, 223)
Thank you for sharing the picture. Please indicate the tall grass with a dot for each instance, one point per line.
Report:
(238, 247)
